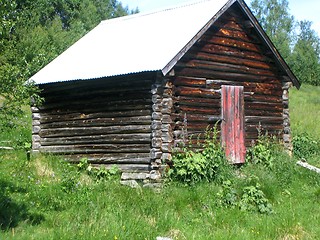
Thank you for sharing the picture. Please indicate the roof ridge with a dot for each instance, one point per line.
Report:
(155, 11)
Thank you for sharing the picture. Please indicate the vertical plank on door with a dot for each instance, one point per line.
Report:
(232, 125)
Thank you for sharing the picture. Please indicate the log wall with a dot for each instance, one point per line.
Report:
(109, 121)
(230, 53)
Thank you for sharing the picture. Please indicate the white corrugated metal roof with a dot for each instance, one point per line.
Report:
(131, 44)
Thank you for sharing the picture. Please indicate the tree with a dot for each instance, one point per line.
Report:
(306, 55)
(276, 20)
(32, 33)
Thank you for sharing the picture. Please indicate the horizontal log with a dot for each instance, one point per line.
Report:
(186, 100)
(236, 34)
(241, 45)
(236, 59)
(256, 87)
(111, 158)
(97, 148)
(228, 23)
(98, 139)
(277, 107)
(83, 131)
(225, 67)
(211, 74)
(195, 117)
(197, 110)
(127, 167)
(262, 112)
(100, 122)
(230, 52)
(115, 98)
(48, 118)
(190, 82)
(257, 119)
(99, 108)
(196, 92)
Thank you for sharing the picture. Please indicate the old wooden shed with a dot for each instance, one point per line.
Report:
(134, 87)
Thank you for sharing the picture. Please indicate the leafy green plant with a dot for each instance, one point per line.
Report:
(227, 196)
(253, 199)
(305, 145)
(100, 173)
(83, 164)
(210, 164)
(262, 152)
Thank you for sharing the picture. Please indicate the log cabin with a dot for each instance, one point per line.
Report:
(134, 87)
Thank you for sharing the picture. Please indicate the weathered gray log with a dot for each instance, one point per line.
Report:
(136, 158)
(308, 166)
(6, 148)
(96, 148)
(127, 167)
(110, 138)
(83, 131)
(137, 120)
(47, 118)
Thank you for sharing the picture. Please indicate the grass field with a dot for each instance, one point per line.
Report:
(46, 198)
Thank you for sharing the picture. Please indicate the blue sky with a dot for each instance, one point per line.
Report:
(302, 10)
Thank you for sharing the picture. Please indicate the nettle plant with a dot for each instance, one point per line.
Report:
(262, 151)
(193, 166)
(98, 174)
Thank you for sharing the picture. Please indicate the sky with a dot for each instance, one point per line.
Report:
(300, 9)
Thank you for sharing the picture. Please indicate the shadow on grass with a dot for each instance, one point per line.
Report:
(13, 212)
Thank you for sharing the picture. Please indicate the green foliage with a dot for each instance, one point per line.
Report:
(296, 41)
(276, 20)
(192, 167)
(262, 152)
(253, 199)
(29, 41)
(227, 196)
(99, 174)
(305, 146)
(305, 57)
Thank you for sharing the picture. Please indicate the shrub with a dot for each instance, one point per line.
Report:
(262, 152)
(207, 165)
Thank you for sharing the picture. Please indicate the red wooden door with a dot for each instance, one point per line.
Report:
(232, 125)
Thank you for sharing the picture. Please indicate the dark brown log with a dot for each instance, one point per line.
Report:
(241, 45)
(116, 97)
(47, 118)
(97, 148)
(190, 82)
(222, 58)
(211, 74)
(196, 92)
(230, 52)
(225, 67)
(122, 158)
(97, 139)
(127, 167)
(195, 110)
(83, 131)
(102, 108)
(100, 122)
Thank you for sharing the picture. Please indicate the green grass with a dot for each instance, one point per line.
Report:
(305, 117)
(46, 198)
(305, 110)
